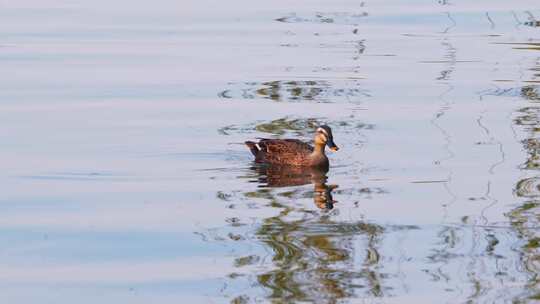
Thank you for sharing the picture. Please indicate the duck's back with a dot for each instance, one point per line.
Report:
(282, 151)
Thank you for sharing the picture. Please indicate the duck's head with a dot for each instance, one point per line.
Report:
(323, 136)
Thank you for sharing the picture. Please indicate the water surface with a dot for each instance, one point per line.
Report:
(125, 178)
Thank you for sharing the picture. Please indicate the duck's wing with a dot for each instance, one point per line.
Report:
(283, 151)
(285, 146)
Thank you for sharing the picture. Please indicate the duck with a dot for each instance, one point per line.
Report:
(294, 152)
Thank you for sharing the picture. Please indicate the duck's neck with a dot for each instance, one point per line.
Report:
(318, 149)
(318, 158)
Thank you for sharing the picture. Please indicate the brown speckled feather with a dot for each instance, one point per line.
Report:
(284, 151)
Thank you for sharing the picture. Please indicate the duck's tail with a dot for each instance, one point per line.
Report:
(253, 147)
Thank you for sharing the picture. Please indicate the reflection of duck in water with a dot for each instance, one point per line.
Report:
(285, 176)
(322, 196)
(294, 152)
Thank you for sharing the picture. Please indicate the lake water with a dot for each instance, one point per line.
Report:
(124, 177)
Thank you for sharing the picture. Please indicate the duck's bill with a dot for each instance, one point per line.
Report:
(332, 145)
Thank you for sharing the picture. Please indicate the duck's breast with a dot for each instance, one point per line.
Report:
(319, 161)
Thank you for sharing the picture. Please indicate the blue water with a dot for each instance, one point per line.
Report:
(125, 178)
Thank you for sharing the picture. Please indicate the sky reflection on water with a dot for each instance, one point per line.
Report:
(125, 177)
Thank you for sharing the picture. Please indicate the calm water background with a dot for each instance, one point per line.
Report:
(124, 178)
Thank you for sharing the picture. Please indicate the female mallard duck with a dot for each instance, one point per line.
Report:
(294, 152)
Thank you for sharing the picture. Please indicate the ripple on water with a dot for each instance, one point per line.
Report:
(328, 17)
(301, 127)
(298, 91)
(529, 187)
